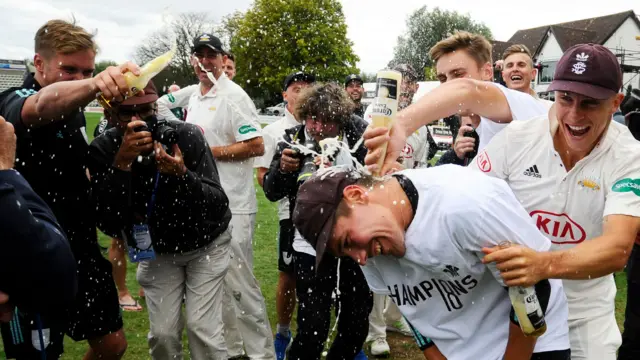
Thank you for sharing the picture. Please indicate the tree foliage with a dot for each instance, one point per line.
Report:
(184, 27)
(101, 65)
(424, 29)
(277, 37)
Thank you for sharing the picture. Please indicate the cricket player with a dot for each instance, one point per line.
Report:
(418, 236)
(573, 172)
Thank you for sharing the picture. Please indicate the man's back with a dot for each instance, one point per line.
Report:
(441, 285)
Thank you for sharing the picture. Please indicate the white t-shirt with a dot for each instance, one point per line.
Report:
(441, 285)
(416, 150)
(523, 107)
(273, 133)
(226, 116)
(569, 207)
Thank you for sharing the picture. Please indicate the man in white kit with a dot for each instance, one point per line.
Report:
(577, 174)
(229, 121)
(573, 172)
(418, 236)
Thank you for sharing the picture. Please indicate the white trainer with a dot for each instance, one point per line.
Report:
(380, 348)
(400, 327)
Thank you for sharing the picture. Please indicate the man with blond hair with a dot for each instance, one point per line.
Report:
(52, 152)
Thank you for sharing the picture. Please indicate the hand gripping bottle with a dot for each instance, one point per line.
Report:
(527, 308)
(147, 72)
(385, 103)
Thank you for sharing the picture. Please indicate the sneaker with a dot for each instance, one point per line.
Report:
(281, 343)
(361, 356)
(400, 327)
(380, 348)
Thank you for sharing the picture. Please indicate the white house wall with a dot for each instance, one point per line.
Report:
(550, 50)
(625, 38)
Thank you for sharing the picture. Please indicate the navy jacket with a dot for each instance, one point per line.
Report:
(37, 268)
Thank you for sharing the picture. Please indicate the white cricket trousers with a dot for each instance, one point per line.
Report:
(384, 312)
(198, 277)
(595, 338)
(244, 311)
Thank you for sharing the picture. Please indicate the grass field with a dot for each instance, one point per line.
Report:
(265, 269)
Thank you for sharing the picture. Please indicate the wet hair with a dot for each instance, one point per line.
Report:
(517, 49)
(59, 36)
(366, 181)
(476, 45)
(327, 102)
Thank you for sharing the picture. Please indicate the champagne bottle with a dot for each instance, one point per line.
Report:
(385, 103)
(147, 72)
(527, 308)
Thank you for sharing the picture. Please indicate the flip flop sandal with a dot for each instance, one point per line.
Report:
(135, 307)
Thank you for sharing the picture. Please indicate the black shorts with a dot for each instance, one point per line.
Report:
(21, 336)
(552, 355)
(285, 246)
(96, 311)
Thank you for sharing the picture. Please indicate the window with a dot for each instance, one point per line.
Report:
(546, 74)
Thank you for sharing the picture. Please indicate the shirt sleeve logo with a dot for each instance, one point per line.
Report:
(171, 98)
(245, 129)
(23, 93)
(627, 185)
(484, 164)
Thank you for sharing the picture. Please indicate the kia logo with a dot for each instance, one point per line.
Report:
(560, 227)
(483, 162)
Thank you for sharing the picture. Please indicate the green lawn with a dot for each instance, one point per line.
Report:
(265, 269)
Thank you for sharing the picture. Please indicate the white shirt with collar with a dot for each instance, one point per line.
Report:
(569, 206)
(273, 133)
(226, 115)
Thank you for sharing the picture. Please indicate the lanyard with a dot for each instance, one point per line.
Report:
(153, 196)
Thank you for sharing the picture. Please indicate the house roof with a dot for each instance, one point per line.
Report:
(595, 30)
(497, 48)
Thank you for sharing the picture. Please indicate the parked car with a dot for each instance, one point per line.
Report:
(277, 110)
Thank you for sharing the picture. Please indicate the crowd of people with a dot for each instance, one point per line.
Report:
(401, 246)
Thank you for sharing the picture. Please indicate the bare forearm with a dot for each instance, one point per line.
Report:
(455, 97)
(54, 101)
(238, 151)
(591, 259)
(260, 175)
(433, 353)
(519, 346)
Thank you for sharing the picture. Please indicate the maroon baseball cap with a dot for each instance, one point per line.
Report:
(150, 96)
(318, 198)
(588, 69)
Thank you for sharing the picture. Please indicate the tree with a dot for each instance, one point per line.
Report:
(184, 28)
(368, 77)
(424, 29)
(277, 37)
(101, 65)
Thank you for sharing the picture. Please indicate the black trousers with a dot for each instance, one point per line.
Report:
(630, 348)
(552, 355)
(314, 308)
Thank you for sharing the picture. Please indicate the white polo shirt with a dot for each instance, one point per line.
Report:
(441, 285)
(569, 207)
(226, 116)
(416, 150)
(273, 133)
(523, 107)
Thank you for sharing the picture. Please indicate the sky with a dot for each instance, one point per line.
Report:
(373, 25)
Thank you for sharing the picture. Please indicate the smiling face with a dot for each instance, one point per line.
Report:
(583, 120)
(518, 72)
(213, 61)
(355, 90)
(367, 226)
